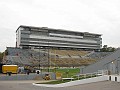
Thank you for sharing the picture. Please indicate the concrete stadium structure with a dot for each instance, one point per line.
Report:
(34, 37)
(110, 62)
(29, 38)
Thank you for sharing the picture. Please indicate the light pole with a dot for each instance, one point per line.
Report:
(106, 66)
(48, 52)
(39, 56)
(117, 66)
(81, 69)
(116, 63)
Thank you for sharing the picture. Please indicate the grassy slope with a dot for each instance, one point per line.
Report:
(68, 72)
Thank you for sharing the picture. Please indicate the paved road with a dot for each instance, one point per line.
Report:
(27, 85)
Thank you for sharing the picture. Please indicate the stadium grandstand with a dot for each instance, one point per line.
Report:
(47, 47)
(54, 58)
(42, 47)
(33, 37)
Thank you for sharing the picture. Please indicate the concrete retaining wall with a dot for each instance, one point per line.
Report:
(31, 76)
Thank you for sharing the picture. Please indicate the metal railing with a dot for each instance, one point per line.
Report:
(90, 75)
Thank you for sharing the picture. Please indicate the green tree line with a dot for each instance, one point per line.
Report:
(1, 56)
(105, 48)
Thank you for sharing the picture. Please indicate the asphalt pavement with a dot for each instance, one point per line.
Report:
(27, 85)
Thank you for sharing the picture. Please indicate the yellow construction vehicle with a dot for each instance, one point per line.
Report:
(9, 69)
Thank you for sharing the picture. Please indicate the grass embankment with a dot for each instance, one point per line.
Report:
(64, 81)
(55, 82)
(65, 72)
(68, 72)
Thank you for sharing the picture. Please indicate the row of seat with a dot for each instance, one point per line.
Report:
(53, 57)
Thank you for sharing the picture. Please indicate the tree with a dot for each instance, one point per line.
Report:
(108, 49)
(104, 49)
(1, 56)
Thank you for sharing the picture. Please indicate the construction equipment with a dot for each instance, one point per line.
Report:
(47, 77)
(9, 69)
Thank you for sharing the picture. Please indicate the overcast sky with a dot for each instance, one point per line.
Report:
(94, 16)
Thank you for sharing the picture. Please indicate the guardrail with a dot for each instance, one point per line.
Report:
(90, 75)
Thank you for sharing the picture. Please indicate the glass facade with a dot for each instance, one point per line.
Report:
(27, 36)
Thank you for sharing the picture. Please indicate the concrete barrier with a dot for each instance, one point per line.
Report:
(114, 78)
(31, 76)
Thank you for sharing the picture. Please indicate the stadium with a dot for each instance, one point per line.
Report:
(41, 47)
(61, 47)
(31, 37)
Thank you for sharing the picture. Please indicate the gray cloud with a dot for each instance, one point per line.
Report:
(95, 16)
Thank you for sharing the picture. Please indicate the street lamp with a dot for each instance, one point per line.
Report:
(106, 66)
(116, 62)
(117, 65)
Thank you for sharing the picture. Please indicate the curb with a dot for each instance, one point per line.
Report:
(77, 82)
